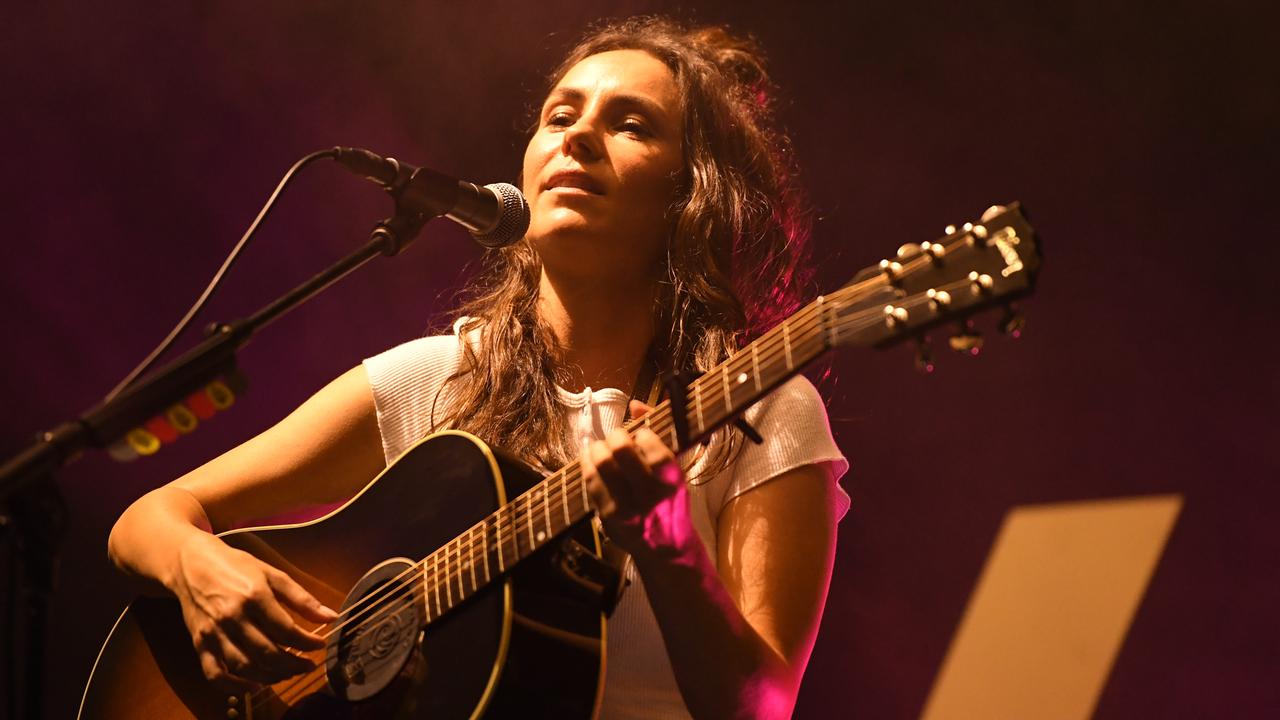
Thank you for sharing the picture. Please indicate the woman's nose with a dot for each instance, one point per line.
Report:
(581, 142)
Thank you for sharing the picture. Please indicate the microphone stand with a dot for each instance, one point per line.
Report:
(33, 515)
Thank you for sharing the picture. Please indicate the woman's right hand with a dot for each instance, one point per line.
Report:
(235, 607)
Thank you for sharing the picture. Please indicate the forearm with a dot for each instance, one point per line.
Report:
(145, 540)
(724, 668)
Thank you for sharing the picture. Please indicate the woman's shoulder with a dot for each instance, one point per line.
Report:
(406, 382)
(414, 369)
(796, 431)
(797, 398)
(432, 354)
(414, 361)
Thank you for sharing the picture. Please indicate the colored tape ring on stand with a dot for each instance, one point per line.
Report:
(220, 395)
(143, 442)
(182, 419)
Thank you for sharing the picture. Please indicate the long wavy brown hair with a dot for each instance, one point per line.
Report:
(736, 256)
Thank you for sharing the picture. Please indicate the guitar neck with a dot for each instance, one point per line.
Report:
(970, 269)
(533, 519)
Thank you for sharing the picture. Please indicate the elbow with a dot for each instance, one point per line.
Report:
(771, 696)
(767, 694)
(118, 540)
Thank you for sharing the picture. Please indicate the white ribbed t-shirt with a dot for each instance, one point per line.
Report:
(639, 682)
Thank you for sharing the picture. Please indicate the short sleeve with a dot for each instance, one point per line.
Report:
(793, 422)
(405, 381)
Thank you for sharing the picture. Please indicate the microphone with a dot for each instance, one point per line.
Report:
(496, 215)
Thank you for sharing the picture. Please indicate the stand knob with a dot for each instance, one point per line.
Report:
(966, 340)
(1013, 322)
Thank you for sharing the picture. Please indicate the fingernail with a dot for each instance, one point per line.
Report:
(328, 610)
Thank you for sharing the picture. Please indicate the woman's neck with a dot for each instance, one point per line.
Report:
(603, 329)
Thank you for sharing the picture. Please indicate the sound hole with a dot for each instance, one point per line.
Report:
(382, 621)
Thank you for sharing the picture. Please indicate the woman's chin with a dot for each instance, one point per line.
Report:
(564, 225)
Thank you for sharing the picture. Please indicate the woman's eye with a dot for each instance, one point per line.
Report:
(635, 127)
(560, 119)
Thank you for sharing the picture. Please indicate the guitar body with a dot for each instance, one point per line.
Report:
(531, 642)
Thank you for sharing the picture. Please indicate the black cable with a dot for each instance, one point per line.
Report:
(201, 301)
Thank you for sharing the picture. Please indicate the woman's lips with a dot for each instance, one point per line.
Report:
(576, 182)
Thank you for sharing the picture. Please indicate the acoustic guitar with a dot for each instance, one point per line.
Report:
(468, 583)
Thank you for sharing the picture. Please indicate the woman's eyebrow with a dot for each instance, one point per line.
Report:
(645, 104)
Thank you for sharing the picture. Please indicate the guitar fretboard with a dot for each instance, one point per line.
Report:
(972, 268)
(528, 522)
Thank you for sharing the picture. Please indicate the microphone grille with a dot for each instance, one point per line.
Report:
(514, 220)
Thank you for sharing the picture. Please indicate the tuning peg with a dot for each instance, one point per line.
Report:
(938, 299)
(980, 282)
(993, 212)
(892, 270)
(966, 340)
(934, 250)
(1013, 322)
(924, 356)
(894, 316)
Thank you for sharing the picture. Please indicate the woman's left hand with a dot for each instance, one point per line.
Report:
(638, 490)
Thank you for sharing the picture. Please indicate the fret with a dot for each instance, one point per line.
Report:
(426, 589)
(457, 565)
(564, 499)
(697, 404)
(448, 588)
(724, 380)
(738, 384)
(462, 569)
(471, 560)
(546, 507)
(528, 520)
(831, 328)
(786, 343)
(497, 539)
(435, 572)
(484, 547)
(755, 364)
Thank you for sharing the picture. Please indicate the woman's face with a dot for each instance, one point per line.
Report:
(601, 170)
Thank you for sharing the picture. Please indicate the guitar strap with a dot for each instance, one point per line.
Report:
(647, 382)
(648, 389)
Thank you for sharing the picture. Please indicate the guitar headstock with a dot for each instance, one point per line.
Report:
(973, 267)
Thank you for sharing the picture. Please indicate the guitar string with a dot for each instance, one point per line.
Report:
(419, 592)
(559, 483)
(551, 486)
(535, 500)
(547, 493)
(766, 346)
(552, 490)
(556, 488)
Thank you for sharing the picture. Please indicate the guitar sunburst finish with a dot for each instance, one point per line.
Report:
(530, 641)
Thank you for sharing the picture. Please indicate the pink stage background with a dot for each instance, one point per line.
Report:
(143, 137)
